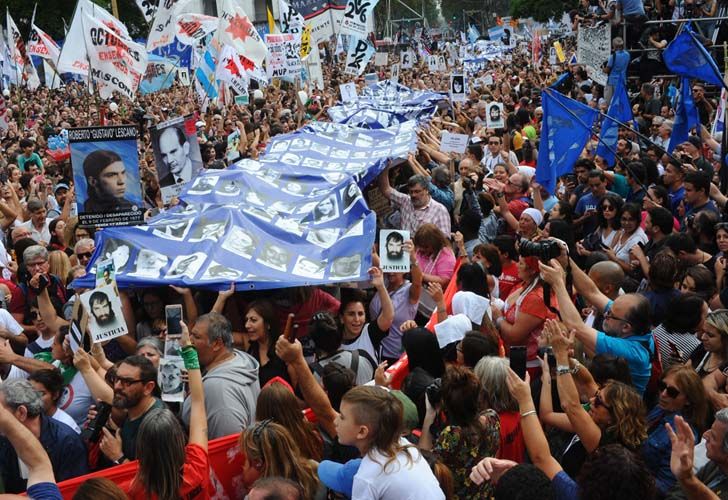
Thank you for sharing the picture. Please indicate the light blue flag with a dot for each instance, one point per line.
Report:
(205, 73)
(686, 116)
(621, 110)
(686, 57)
(566, 128)
(473, 34)
(159, 75)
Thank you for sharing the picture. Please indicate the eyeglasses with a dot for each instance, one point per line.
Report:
(494, 143)
(126, 382)
(85, 255)
(598, 401)
(609, 315)
(672, 392)
(31, 265)
(608, 208)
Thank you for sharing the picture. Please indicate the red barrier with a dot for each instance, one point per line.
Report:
(226, 472)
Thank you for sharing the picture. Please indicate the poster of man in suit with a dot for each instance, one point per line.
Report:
(176, 154)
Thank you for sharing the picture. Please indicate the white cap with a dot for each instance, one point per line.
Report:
(258, 94)
(113, 107)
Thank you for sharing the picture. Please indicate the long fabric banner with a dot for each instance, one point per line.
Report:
(296, 217)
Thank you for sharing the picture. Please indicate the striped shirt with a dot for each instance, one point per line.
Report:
(412, 218)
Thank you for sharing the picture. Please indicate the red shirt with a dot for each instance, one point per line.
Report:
(512, 446)
(508, 280)
(195, 477)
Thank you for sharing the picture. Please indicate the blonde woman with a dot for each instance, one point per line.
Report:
(713, 352)
(60, 265)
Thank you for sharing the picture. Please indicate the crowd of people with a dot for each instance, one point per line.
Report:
(559, 345)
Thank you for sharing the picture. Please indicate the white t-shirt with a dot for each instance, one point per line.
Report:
(7, 322)
(363, 342)
(63, 417)
(76, 399)
(43, 235)
(402, 480)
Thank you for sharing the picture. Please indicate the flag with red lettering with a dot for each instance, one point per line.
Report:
(236, 30)
(117, 63)
(231, 70)
(192, 28)
(42, 45)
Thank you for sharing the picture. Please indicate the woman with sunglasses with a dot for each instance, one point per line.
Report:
(614, 414)
(629, 235)
(681, 393)
(608, 226)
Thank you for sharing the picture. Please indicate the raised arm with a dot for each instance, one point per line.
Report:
(584, 426)
(546, 404)
(536, 444)
(554, 275)
(415, 273)
(222, 297)
(198, 416)
(386, 316)
(292, 354)
(587, 288)
(30, 365)
(96, 385)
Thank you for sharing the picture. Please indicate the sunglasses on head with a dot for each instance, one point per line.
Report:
(672, 392)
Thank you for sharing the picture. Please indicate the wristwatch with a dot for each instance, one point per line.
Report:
(562, 369)
(119, 460)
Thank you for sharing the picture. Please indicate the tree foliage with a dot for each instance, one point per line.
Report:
(398, 11)
(541, 10)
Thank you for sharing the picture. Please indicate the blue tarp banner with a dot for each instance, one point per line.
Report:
(295, 217)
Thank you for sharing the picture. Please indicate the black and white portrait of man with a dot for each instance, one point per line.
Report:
(240, 242)
(274, 256)
(186, 265)
(346, 267)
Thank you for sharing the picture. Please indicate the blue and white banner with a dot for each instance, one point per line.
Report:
(358, 56)
(385, 104)
(159, 75)
(296, 217)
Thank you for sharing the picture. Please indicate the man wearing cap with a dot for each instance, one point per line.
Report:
(174, 150)
(59, 193)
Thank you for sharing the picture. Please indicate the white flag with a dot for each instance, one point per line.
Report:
(229, 69)
(117, 64)
(42, 45)
(164, 26)
(237, 31)
(73, 54)
(52, 79)
(291, 20)
(19, 57)
(191, 28)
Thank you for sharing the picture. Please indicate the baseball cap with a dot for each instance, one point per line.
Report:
(339, 477)
(61, 185)
(694, 141)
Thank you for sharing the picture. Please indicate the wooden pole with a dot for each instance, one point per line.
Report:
(115, 9)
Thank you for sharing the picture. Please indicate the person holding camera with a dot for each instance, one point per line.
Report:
(525, 310)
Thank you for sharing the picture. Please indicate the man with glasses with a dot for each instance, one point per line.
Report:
(417, 208)
(626, 330)
(134, 385)
(83, 250)
(38, 277)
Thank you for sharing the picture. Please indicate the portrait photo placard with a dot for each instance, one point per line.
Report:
(176, 154)
(392, 256)
(106, 320)
(457, 88)
(169, 375)
(495, 118)
(105, 164)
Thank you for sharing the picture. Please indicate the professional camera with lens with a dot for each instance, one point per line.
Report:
(544, 250)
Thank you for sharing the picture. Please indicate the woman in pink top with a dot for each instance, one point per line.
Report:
(434, 255)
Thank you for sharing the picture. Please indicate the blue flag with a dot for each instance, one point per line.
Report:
(473, 34)
(686, 116)
(687, 57)
(560, 80)
(621, 110)
(566, 128)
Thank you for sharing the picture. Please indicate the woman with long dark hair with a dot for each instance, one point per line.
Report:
(170, 466)
(608, 211)
(263, 329)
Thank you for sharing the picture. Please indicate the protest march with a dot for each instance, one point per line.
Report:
(305, 250)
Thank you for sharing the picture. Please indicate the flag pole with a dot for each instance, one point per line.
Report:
(591, 129)
(724, 138)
